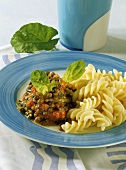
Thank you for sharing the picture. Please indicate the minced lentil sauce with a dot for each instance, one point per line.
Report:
(51, 108)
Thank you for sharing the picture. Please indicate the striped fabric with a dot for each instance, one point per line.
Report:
(117, 155)
(7, 59)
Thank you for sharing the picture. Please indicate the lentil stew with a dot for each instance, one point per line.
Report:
(51, 108)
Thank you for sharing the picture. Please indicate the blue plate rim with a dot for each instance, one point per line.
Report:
(67, 140)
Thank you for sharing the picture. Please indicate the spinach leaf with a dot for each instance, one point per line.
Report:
(74, 71)
(34, 37)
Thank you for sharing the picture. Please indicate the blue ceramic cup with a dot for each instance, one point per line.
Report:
(83, 24)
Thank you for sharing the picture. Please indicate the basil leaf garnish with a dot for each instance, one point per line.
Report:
(74, 71)
(41, 81)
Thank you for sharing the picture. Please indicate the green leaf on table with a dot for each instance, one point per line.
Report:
(34, 37)
(42, 82)
(74, 71)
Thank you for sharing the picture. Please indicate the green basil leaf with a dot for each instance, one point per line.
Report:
(41, 81)
(74, 71)
(51, 85)
(39, 76)
(34, 37)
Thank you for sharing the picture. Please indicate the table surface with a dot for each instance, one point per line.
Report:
(14, 14)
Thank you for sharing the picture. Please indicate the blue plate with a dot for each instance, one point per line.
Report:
(15, 75)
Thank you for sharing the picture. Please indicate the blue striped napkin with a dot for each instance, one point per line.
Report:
(117, 155)
(19, 153)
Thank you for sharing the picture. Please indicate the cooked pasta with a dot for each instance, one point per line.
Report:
(85, 119)
(124, 103)
(80, 83)
(100, 101)
(102, 121)
(91, 88)
(119, 89)
(74, 126)
(80, 114)
(107, 105)
(119, 112)
(91, 102)
(91, 73)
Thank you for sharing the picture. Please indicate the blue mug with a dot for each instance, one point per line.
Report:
(83, 24)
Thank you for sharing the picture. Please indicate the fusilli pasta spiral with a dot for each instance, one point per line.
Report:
(91, 102)
(85, 119)
(119, 112)
(107, 103)
(91, 88)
